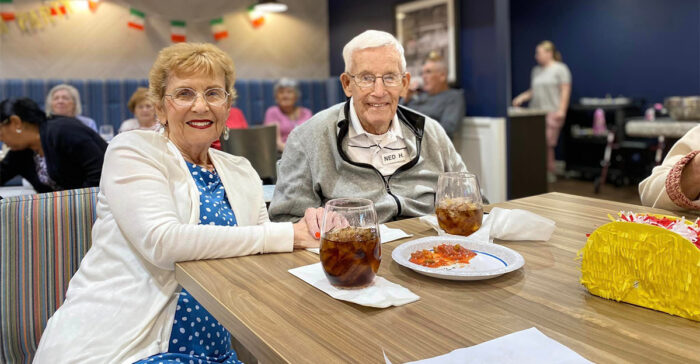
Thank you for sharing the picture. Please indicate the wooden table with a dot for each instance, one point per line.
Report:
(279, 318)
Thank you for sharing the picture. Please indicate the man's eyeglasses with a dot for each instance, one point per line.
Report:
(366, 80)
(185, 96)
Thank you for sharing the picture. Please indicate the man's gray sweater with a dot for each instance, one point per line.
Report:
(315, 168)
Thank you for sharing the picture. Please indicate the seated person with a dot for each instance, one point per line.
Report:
(144, 111)
(64, 100)
(675, 184)
(368, 147)
(286, 114)
(62, 154)
(235, 120)
(166, 197)
(437, 100)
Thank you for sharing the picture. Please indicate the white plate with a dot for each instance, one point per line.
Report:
(491, 260)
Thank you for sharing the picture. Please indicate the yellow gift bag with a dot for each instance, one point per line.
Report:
(646, 260)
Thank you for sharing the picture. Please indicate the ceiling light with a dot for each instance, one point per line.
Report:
(270, 6)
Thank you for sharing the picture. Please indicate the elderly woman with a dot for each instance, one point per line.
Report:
(675, 184)
(57, 155)
(286, 114)
(144, 112)
(164, 198)
(64, 100)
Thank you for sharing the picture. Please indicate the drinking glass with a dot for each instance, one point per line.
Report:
(458, 203)
(107, 132)
(350, 244)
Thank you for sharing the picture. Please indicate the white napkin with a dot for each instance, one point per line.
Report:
(522, 347)
(386, 233)
(506, 224)
(381, 293)
(519, 224)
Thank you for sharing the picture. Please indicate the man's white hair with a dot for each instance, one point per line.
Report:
(372, 39)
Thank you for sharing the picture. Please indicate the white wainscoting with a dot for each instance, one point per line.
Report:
(481, 141)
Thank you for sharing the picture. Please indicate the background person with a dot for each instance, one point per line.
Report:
(62, 154)
(144, 112)
(550, 90)
(287, 115)
(64, 100)
(437, 99)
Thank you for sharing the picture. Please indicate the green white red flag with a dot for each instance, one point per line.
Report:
(178, 31)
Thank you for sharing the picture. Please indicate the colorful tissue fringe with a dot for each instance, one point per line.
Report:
(640, 260)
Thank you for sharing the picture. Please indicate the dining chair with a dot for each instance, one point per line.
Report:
(258, 144)
(43, 238)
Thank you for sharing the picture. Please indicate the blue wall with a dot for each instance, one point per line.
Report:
(640, 48)
(482, 48)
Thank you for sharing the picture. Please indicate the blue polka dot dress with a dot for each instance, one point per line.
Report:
(196, 335)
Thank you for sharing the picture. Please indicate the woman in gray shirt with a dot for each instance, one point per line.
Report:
(550, 90)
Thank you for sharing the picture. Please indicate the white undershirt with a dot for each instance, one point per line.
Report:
(386, 152)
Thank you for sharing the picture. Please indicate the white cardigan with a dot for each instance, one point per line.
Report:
(120, 304)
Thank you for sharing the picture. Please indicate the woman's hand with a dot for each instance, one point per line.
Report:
(690, 179)
(302, 238)
(523, 97)
(518, 101)
(314, 218)
(308, 230)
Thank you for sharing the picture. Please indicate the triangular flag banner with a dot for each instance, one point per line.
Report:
(93, 4)
(257, 18)
(136, 19)
(217, 29)
(60, 8)
(7, 10)
(177, 31)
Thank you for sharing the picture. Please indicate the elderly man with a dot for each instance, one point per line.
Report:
(369, 146)
(438, 100)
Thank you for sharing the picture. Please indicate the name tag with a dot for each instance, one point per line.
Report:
(394, 157)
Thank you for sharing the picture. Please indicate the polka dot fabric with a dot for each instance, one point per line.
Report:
(196, 336)
(214, 208)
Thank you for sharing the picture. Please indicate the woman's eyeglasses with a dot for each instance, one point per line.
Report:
(185, 96)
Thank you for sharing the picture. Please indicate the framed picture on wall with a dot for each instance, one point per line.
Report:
(426, 28)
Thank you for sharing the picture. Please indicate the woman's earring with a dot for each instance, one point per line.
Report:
(226, 133)
(19, 131)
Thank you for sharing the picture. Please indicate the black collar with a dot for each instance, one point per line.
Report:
(414, 121)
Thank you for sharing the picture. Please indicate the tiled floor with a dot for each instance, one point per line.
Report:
(627, 194)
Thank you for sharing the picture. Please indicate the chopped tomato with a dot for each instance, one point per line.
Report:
(442, 255)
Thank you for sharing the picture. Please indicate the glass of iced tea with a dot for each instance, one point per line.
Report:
(350, 244)
(458, 203)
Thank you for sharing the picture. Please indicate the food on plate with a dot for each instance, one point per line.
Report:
(442, 255)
